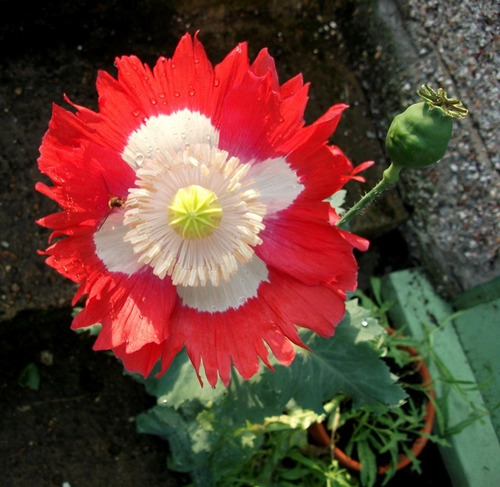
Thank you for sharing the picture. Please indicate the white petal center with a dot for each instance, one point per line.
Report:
(242, 286)
(216, 256)
(168, 134)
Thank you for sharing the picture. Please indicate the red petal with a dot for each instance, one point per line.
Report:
(141, 361)
(187, 80)
(318, 308)
(317, 133)
(228, 74)
(310, 249)
(250, 113)
(238, 336)
(128, 314)
(263, 65)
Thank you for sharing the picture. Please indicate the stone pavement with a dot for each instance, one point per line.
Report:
(454, 227)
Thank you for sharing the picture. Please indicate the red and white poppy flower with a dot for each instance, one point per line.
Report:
(193, 212)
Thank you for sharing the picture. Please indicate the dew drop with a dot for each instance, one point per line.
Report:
(364, 323)
(137, 113)
(161, 95)
(172, 65)
(153, 101)
(177, 94)
(216, 82)
(139, 158)
(191, 92)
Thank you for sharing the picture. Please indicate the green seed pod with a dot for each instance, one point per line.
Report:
(419, 136)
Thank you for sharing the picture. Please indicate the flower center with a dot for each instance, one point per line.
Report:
(194, 215)
(194, 212)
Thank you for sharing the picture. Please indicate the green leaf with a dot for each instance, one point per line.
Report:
(30, 377)
(368, 464)
(347, 363)
(337, 201)
(180, 384)
(189, 445)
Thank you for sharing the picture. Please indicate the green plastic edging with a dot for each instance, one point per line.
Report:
(472, 459)
(484, 293)
(478, 329)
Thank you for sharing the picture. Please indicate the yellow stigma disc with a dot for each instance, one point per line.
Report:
(194, 212)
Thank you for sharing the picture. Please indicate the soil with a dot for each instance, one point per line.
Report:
(78, 427)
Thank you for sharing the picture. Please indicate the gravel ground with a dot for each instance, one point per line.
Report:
(455, 215)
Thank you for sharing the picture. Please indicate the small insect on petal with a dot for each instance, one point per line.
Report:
(116, 202)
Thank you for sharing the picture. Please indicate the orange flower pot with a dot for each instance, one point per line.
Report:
(321, 436)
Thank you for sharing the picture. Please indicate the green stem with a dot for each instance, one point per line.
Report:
(389, 177)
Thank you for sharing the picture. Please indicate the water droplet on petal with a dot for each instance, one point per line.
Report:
(177, 94)
(216, 82)
(191, 92)
(137, 113)
(153, 101)
(139, 158)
